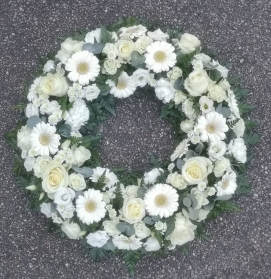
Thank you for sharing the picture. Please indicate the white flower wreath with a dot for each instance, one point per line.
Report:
(164, 208)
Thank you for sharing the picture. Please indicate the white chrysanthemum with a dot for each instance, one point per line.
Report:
(158, 35)
(162, 200)
(233, 105)
(160, 56)
(123, 242)
(44, 139)
(90, 208)
(33, 94)
(180, 150)
(83, 67)
(77, 115)
(109, 180)
(66, 211)
(124, 88)
(227, 185)
(133, 31)
(151, 176)
(212, 127)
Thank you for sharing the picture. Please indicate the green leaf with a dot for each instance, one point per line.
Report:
(220, 207)
(117, 202)
(179, 164)
(20, 106)
(178, 84)
(199, 232)
(185, 249)
(226, 112)
(214, 75)
(97, 253)
(154, 162)
(65, 130)
(187, 202)
(250, 124)
(137, 59)
(199, 148)
(240, 92)
(245, 108)
(251, 138)
(243, 185)
(131, 258)
(170, 225)
(105, 36)
(159, 237)
(148, 220)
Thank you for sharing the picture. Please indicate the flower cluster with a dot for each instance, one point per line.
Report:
(164, 208)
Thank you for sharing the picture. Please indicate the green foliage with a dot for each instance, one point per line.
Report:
(240, 92)
(117, 202)
(220, 207)
(131, 258)
(184, 249)
(245, 108)
(105, 36)
(250, 124)
(243, 185)
(108, 103)
(20, 106)
(170, 225)
(184, 61)
(97, 254)
(251, 138)
(199, 232)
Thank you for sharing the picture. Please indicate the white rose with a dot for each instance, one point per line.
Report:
(91, 92)
(29, 163)
(81, 154)
(141, 230)
(158, 35)
(197, 83)
(97, 239)
(54, 177)
(110, 227)
(133, 210)
(77, 181)
(141, 77)
(151, 176)
(31, 110)
(238, 149)
(187, 125)
(176, 180)
(123, 49)
(221, 165)
(179, 97)
(41, 164)
(45, 208)
(239, 128)
(142, 43)
(216, 93)
(164, 90)
(72, 230)
(23, 138)
(152, 244)
(188, 43)
(196, 169)
(68, 48)
(183, 232)
(133, 31)
(53, 85)
(111, 66)
(64, 196)
(217, 150)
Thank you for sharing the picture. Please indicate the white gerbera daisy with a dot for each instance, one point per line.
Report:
(125, 87)
(160, 56)
(212, 127)
(227, 185)
(180, 150)
(162, 200)
(44, 139)
(83, 67)
(33, 94)
(126, 243)
(90, 208)
(109, 180)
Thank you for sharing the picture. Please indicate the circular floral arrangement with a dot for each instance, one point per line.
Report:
(111, 210)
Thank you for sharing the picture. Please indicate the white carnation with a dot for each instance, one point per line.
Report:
(158, 35)
(151, 176)
(238, 149)
(45, 208)
(216, 150)
(97, 239)
(91, 92)
(164, 90)
(31, 110)
(77, 181)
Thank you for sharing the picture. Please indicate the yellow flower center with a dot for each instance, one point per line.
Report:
(205, 106)
(210, 128)
(55, 177)
(44, 139)
(82, 68)
(121, 85)
(159, 56)
(160, 200)
(90, 206)
(225, 184)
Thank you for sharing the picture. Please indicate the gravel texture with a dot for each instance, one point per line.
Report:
(240, 245)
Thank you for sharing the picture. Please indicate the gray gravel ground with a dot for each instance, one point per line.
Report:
(240, 245)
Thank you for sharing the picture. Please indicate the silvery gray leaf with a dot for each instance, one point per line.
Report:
(121, 226)
(226, 112)
(189, 154)
(147, 220)
(178, 84)
(209, 206)
(33, 121)
(94, 48)
(156, 218)
(65, 130)
(130, 230)
(109, 246)
(141, 192)
(193, 213)
(199, 148)
(86, 172)
(187, 202)
(193, 199)
(137, 59)
(179, 164)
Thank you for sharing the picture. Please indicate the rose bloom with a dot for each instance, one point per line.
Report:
(54, 177)
(81, 154)
(53, 85)
(176, 180)
(123, 49)
(72, 230)
(196, 169)
(188, 43)
(133, 210)
(197, 83)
